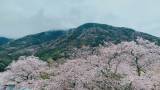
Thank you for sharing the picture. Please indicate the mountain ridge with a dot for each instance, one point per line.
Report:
(59, 44)
(4, 40)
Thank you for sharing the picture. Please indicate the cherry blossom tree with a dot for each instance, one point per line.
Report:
(26, 69)
(126, 66)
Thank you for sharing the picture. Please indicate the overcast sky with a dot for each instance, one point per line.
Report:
(22, 17)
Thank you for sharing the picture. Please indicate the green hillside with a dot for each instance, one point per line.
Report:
(59, 44)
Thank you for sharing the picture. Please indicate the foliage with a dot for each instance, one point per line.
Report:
(4, 40)
(111, 67)
(59, 44)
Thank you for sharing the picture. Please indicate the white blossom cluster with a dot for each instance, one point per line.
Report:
(125, 66)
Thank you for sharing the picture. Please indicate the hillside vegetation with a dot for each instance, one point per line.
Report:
(61, 44)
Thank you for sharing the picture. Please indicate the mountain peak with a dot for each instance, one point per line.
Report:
(92, 25)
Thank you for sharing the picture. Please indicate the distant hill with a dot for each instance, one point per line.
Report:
(59, 44)
(4, 40)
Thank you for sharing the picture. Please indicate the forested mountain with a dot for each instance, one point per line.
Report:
(59, 44)
(4, 40)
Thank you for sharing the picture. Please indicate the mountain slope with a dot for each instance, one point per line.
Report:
(37, 39)
(25, 46)
(59, 44)
(92, 34)
(4, 40)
